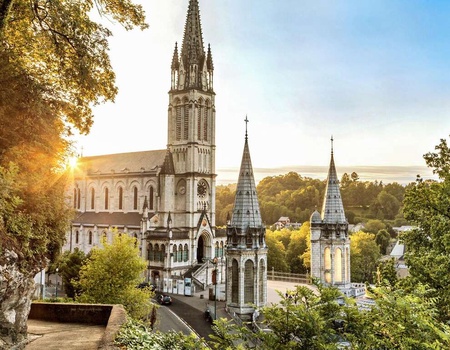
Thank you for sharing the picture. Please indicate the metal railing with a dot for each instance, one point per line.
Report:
(289, 277)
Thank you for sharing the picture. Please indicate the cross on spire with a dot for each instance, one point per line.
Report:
(332, 144)
(246, 123)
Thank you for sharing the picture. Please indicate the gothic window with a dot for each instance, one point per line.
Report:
(106, 198)
(216, 250)
(338, 265)
(78, 198)
(175, 256)
(157, 253)
(120, 198)
(249, 283)
(135, 198)
(92, 198)
(178, 123)
(163, 253)
(90, 237)
(205, 123)
(186, 121)
(234, 282)
(75, 198)
(180, 253)
(199, 121)
(77, 237)
(151, 198)
(185, 253)
(150, 252)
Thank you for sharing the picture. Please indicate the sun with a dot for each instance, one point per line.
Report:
(73, 162)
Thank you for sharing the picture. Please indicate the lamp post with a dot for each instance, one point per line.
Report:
(56, 286)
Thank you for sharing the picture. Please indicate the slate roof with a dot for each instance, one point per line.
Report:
(108, 219)
(333, 209)
(122, 162)
(246, 207)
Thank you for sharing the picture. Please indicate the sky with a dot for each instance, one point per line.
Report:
(374, 74)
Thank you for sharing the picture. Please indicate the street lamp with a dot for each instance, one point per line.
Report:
(56, 286)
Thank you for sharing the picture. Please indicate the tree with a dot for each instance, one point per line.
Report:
(373, 226)
(54, 67)
(426, 205)
(276, 255)
(70, 265)
(297, 247)
(364, 254)
(111, 274)
(383, 238)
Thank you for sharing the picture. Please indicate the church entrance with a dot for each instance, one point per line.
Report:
(200, 249)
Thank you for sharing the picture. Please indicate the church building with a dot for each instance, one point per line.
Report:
(165, 198)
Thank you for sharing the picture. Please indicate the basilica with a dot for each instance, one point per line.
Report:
(166, 198)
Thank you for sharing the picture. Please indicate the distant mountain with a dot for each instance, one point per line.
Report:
(387, 174)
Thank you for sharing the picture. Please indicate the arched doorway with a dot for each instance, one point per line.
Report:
(200, 249)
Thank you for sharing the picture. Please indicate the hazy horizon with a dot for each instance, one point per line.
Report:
(387, 174)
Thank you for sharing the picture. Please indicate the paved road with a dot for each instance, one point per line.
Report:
(167, 321)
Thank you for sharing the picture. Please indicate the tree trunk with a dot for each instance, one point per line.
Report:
(16, 290)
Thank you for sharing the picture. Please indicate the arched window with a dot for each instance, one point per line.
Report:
(77, 237)
(249, 283)
(262, 271)
(199, 120)
(120, 198)
(163, 253)
(90, 237)
(185, 253)
(216, 250)
(150, 252)
(157, 253)
(221, 248)
(92, 198)
(186, 121)
(75, 198)
(180, 253)
(178, 121)
(135, 198)
(151, 198)
(106, 198)
(78, 198)
(205, 122)
(175, 256)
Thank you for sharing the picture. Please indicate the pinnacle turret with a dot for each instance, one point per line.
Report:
(333, 209)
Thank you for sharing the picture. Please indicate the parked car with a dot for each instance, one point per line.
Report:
(164, 299)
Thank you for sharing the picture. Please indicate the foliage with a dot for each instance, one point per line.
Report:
(374, 225)
(70, 264)
(111, 274)
(276, 255)
(383, 238)
(296, 248)
(137, 336)
(386, 274)
(364, 254)
(400, 320)
(427, 205)
(296, 197)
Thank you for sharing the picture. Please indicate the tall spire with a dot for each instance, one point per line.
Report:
(246, 212)
(333, 209)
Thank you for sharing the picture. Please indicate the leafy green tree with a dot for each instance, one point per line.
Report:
(426, 205)
(383, 238)
(70, 264)
(54, 67)
(373, 226)
(386, 274)
(298, 244)
(111, 274)
(276, 255)
(364, 254)
(400, 320)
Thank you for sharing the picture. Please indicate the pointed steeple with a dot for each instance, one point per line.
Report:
(333, 209)
(246, 212)
(168, 167)
(190, 65)
(175, 62)
(209, 59)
